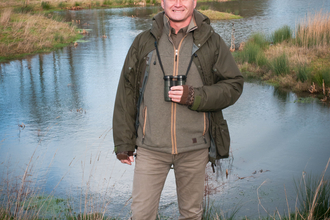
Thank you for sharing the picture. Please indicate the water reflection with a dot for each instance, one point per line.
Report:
(65, 98)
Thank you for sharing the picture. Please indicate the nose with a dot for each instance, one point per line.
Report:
(178, 3)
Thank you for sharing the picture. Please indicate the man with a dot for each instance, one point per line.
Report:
(176, 126)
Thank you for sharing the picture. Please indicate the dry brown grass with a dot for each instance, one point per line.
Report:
(5, 16)
(28, 33)
(313, 30)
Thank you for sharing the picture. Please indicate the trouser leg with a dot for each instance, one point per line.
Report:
(151, 169)
(189, 171)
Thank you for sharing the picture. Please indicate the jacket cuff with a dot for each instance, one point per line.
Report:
(124, 155)
(197, 100)
(124, 147)
(187, 96)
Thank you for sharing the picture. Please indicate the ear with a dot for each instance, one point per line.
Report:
(195, 3)
(162, 4)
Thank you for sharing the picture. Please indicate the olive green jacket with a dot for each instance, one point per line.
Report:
(223, 84)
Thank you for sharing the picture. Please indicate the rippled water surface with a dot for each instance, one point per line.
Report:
(56, 108)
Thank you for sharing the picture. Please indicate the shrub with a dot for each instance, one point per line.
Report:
(76, 4)
(282, 34)
(280, 65)
(45, 5)
(228, 10)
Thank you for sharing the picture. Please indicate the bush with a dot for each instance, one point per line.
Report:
(45, 5)
(76, 4)
(280, 65)
(282, 34)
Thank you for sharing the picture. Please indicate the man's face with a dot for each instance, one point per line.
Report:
(179, 11)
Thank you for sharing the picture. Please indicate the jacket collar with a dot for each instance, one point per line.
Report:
(201, 34)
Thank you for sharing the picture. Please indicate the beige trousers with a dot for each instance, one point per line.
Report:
(150, 173)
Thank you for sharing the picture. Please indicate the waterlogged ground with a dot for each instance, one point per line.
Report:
(57, 109)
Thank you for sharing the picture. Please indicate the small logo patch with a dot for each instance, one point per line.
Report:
(194, 140)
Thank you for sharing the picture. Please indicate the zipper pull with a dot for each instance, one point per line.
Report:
(143, 139)
(176, 55)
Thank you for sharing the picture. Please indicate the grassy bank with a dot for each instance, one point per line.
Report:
(57, 5)
(23, 34)
(217, 15)
(295, 59)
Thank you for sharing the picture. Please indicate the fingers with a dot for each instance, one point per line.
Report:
(128, 161)
(176, 93)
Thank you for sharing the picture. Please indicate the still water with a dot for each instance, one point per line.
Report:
(56, 118)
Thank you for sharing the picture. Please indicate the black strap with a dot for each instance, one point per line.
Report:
(160, 62)
(145, 78)
(161, 65)
(190, 63)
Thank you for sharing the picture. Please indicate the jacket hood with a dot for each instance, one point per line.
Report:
(201, 34)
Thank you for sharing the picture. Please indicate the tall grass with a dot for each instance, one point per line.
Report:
(314, 30)
(5, 16)
(282, 34)
(314, 197)
(45, 5)
(280, 65)
(260, 40)
(303, 73)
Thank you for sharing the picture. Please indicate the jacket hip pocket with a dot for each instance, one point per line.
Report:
(222, 139)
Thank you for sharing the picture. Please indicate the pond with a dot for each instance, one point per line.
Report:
(56, 118)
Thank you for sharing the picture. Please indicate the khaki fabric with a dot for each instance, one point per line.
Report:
(150, 173)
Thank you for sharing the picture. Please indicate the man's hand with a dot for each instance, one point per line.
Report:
(126, 157)
(129, 160)
(182, 94)
(176, 93)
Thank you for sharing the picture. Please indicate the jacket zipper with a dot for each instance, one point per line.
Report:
(205, 127)
(144, 124)
(173, 109)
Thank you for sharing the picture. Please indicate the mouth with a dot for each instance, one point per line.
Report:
(176, 11)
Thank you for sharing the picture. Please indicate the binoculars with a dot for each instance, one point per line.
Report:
(170, 81)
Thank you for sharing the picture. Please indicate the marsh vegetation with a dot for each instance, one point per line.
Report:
(296, 59)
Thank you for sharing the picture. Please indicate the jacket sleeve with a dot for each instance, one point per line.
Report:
(228, 84)
(124, 114)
